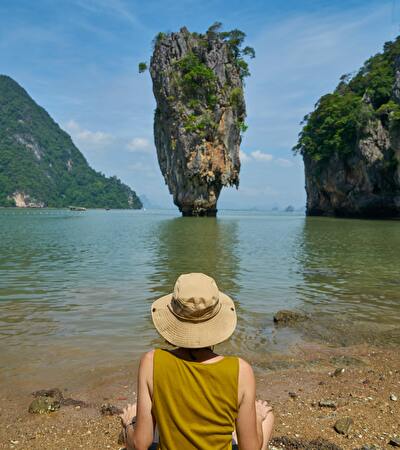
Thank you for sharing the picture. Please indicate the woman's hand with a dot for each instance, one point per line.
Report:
(128, 414)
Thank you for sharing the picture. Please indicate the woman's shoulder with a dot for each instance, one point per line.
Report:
(147, 359)
(245, 369)
(244, 364)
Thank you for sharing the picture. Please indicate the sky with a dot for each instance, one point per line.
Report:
(78, 59)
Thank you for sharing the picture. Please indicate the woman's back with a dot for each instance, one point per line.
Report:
(195, 404)
(195, 397)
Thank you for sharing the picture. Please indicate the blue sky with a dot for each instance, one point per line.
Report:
(78, 59)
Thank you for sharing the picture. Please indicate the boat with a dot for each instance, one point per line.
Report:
(77, 208)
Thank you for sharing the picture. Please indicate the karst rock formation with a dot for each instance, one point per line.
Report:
(351, 143)
(198, 87)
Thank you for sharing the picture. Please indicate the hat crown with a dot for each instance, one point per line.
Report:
(195, 297)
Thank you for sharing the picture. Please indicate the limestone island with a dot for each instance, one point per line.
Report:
(41, 167)
(350, 143)
(200, 115)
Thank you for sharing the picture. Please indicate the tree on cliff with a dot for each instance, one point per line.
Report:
(340, 117)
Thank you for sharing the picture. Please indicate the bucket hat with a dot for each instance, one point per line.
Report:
(197, 314)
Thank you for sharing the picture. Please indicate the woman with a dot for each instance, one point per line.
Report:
(196, 398)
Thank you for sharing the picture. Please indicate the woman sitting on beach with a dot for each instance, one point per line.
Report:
(196, 398)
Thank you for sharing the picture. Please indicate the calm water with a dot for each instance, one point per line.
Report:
(77, 287)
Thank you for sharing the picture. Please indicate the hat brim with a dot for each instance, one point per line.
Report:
(183, 333)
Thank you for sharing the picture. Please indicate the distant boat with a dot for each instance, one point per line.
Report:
(107, 209)
(77, 208)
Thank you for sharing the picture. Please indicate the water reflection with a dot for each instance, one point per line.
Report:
(205, 245)
(350, 271)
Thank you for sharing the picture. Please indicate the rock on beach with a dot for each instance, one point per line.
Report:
(343, 425)
(44, 405)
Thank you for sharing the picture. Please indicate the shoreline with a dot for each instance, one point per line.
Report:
(295, 388)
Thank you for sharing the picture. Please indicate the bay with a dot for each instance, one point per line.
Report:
(76, 287)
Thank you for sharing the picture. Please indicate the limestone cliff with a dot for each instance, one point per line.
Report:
(351, 143)
(41, 167)
(198, 86)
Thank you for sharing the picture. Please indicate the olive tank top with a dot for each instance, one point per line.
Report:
(195, 404)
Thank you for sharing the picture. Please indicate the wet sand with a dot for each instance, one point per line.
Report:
(294, 386)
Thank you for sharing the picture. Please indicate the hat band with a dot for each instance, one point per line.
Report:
(207, 316)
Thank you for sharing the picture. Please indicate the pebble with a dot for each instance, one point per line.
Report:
(109, 410)
(393, 397)
(395, 442)
(42, 405)
(343, 425)
(293, 395)
(338, 372)
(327, 404)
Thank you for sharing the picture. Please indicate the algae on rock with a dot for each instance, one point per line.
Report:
(200, 114)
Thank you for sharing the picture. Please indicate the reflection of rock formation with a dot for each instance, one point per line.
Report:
(206, 246)
(210, 246)
(350, 280)
(198, 87)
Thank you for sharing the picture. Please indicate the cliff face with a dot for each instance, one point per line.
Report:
(351, 143)
(200, 113)
(39, 164)
(363, 184)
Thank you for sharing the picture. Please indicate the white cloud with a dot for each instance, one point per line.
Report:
(140, 144)
(244, 157)
(284, 162)
(84, 136)
(260, 156)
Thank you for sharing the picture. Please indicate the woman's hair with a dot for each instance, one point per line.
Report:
(210, 347)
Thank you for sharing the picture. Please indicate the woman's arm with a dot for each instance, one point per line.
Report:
(249, 428)
(140, 437)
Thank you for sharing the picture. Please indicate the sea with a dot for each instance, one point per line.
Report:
(76, 287)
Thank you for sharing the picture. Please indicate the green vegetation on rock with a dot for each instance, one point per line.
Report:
(142, 67)
(234, 39)
(340, 118)
(39, 161)
(198, 82)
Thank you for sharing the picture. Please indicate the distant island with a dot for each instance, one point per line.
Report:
(351, 143)
(41, 167)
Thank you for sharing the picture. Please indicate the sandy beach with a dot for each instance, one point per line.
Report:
(310, 390)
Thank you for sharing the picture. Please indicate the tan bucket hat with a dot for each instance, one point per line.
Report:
(196, 314)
